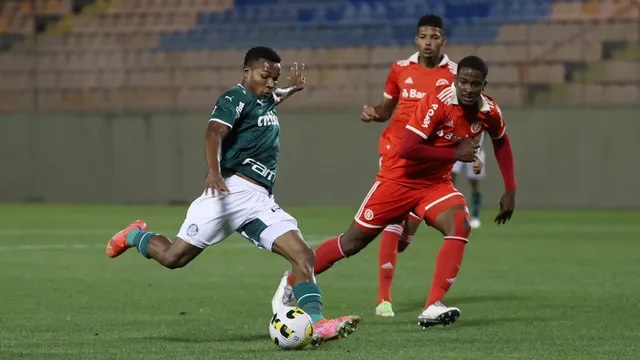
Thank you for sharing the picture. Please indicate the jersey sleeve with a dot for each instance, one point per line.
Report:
(228, 108)
(429, 114)
(497, 127)
(391, 88)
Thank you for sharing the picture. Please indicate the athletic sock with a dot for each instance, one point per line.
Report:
(447, 265)
(140, 240)
(309, 299)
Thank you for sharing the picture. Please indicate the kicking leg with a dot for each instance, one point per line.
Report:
(209, 220)
(172, 255)
(302, 258)
(327, 254)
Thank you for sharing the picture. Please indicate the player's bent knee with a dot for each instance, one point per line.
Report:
(356, 238)
(460, 229)
(395, 228)
(173, 261)
(284, 232)
(179, 254)
(293, 248)
(304, 262)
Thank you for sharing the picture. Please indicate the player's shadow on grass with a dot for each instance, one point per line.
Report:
(214, 339)
(416, 307)
(497, 321)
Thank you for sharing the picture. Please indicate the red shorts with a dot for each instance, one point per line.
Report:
(382, 160)
(390, 203)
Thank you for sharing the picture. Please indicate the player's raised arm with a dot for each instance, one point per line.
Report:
(383, 111)
(504, 157)
(296, 82)
(429, 115)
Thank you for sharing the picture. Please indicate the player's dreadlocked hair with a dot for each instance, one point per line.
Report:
(475, 63)
(260, 52)
(431, 20)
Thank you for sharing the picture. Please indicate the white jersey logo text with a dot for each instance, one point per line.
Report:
(270, 118)
(412, 94)
(260, 169)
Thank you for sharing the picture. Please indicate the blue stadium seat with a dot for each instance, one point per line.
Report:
(326, 23)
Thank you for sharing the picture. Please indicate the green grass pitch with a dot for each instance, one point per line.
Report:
(548, 285)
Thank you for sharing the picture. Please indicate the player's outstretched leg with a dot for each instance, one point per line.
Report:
(292, 247)
(395, 239)
(454, 224)
(151, 245)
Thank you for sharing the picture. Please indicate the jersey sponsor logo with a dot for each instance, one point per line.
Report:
(270, 118)
(409, 80)
(427, 119)
(229, 97)
(449, 136)
(259, 168)
(239, 109)
(449, 123)
(476, 126)
(442, 82)
(412, 94)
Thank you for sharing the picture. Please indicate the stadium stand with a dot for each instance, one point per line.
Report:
(158, 55)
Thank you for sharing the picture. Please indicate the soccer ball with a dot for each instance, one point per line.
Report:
(291, 328)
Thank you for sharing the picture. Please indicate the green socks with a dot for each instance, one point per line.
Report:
(476, 202)
(309, 299)
(140, 240)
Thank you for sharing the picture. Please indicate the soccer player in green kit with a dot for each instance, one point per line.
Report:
(242, 145)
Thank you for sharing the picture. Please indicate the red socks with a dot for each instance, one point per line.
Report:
(447, 266)
(327, 254)
(387, 258)
(394, 240)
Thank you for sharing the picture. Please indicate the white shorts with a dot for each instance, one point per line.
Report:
(248, 209)
(458, 166)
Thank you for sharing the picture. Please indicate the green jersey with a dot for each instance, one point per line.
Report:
(251, 147)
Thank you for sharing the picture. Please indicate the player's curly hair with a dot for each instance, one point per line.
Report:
(431, 20)
(260, 52)
(475, 63)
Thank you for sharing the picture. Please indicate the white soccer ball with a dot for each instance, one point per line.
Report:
(291, 328)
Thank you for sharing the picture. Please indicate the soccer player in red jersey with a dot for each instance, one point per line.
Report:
(408, 81)
(442, 130)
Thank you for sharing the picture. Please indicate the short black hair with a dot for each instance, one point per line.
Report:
(475, 63)
(260, 52)
(431, 20)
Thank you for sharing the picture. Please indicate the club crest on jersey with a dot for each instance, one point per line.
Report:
(476, 127)
(442, 82)
(368, 214)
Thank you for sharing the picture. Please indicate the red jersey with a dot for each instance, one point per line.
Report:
(442, 122)
(408, 82)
